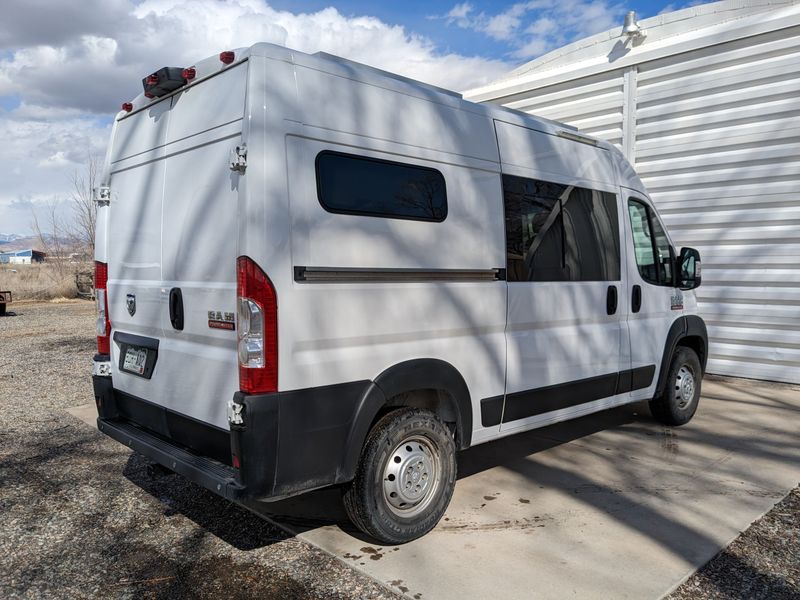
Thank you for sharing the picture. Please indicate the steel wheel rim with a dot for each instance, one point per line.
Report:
(411, 476)
(685, 385)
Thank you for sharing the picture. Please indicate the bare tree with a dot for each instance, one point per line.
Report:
(53, 233)
(84, 209)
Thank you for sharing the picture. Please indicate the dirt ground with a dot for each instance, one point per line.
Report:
(82, 518)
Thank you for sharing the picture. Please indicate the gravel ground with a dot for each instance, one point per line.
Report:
(762, 563)
(81, 518)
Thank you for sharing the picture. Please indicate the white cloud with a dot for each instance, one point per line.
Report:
(95, 73)
(37, 158)
(72, 64)
(504, 25)
(459, 14)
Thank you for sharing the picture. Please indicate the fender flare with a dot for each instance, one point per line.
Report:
(407, 376)
(683, 327)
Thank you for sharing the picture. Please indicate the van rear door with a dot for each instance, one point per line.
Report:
(172, 249)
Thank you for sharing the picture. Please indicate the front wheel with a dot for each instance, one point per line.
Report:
(405, 477)
(678, 403)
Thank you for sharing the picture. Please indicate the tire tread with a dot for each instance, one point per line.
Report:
(356, 496)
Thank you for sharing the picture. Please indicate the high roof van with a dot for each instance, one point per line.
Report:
(313, 273)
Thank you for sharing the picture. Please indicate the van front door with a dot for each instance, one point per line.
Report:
(654, 302)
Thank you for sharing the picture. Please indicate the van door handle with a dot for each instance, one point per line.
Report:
(636, 298)
(176, 308)
(611, 300)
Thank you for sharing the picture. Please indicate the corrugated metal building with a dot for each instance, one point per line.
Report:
(22, 257)
(707, 107)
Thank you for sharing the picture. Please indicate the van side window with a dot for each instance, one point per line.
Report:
(358, 185)
(557, 232)
(654, 256)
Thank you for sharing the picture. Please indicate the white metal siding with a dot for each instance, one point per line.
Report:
(718, 147)
(714, 134)
(594, 104)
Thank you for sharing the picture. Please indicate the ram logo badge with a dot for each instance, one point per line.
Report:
(221, 320)
(676, 301)
(130, 302)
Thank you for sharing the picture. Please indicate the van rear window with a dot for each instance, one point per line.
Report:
(357, 185)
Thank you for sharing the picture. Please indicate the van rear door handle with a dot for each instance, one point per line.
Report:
(636, 298)
(176, 308)
(611, 300)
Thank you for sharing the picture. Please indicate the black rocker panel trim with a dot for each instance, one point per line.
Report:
(538, 401)
(491, 411)
(641, 377)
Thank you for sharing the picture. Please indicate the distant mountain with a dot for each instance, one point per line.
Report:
(7, 238)
(11, 242)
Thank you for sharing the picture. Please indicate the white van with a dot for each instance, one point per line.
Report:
(311, 272)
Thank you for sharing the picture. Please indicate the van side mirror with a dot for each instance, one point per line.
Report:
(689, 269)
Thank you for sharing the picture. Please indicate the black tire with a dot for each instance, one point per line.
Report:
(678, 403)
(418, 444)
(2, 309)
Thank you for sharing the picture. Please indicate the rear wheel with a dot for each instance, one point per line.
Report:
(405, 477)
(678, 403)
(2, 309)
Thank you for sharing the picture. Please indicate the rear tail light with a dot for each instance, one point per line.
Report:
(103, 324)
(257, 316)
(227, 57)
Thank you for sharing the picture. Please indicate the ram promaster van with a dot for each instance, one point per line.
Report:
(311, 273)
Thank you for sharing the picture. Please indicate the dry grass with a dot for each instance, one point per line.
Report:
(40, 282)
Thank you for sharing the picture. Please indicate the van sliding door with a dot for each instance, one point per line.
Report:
(564, 331)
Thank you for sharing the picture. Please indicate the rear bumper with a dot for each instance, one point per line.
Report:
(288, 443)
(210, 474)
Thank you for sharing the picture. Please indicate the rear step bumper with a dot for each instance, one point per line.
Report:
(210, 474)
(288, 443)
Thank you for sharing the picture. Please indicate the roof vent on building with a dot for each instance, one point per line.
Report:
(631, 29)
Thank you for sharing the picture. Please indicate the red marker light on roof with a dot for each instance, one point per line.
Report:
(227, 57)
(127, 106)
(189, 73)
(152, 79)
(149, 95)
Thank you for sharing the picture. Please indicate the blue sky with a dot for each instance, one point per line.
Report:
(65, 67)
(416, 15)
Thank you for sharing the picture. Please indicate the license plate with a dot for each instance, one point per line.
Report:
(135, 360)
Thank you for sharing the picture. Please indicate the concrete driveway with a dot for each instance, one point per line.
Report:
(611, 505)
(608, 506)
